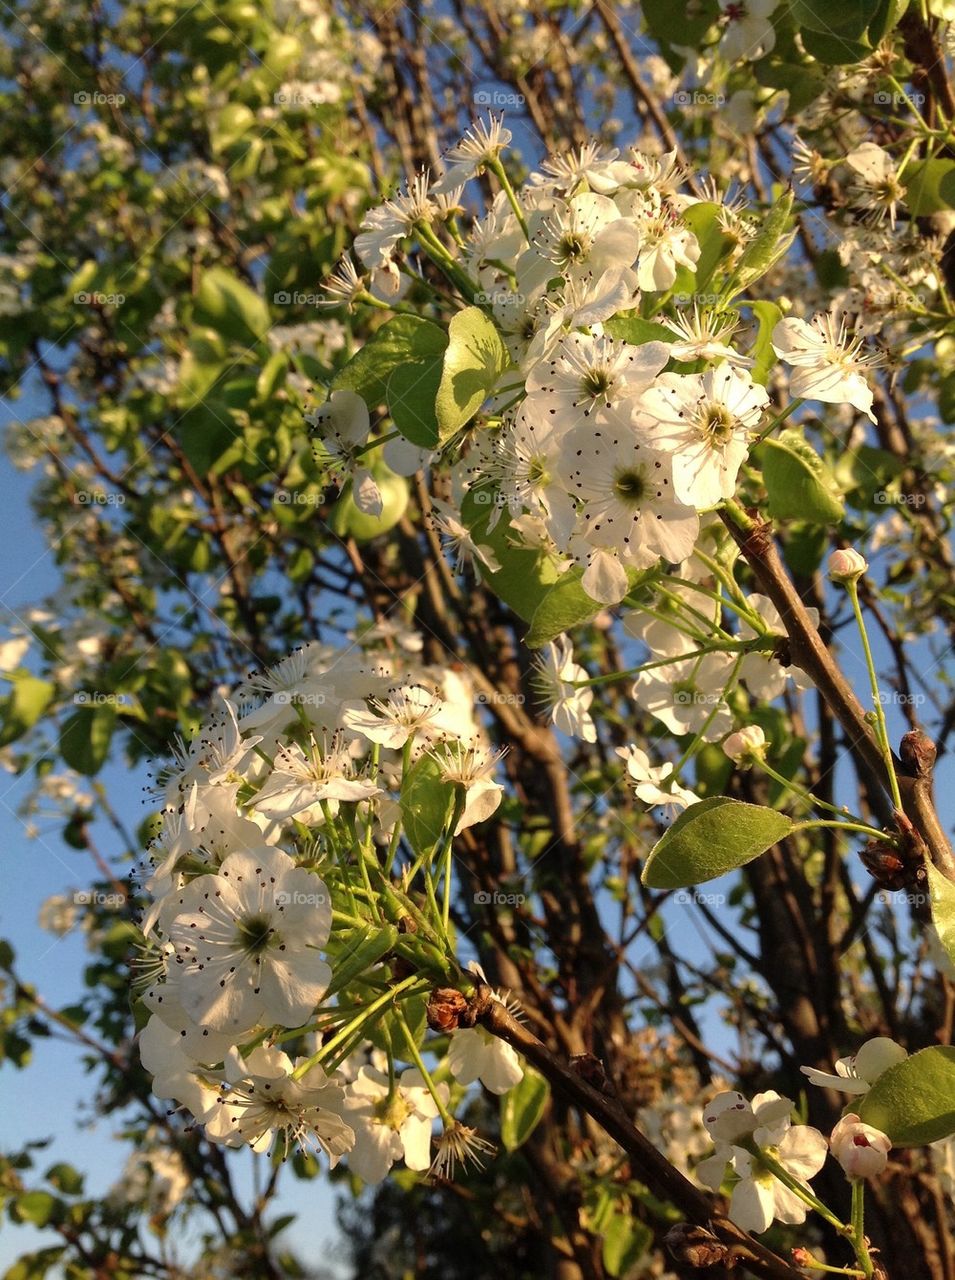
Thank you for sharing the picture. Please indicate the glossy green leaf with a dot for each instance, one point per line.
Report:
(630, 326)
(764, 357)
(846, 17)
(526, 574)
(411, 394)
(914, 1101)
(943, 908)
(426, 804)
(474, 361)
(796, 481)
(625, 1241)
(771, 241)
(522, 1109)
(403, 340)
(566, 605)
(85, 737)
(230, 307)
(711, 838)
(832, 49)
(929, 187)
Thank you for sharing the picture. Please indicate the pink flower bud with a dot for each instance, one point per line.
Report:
(847, 565)
(861, 1150)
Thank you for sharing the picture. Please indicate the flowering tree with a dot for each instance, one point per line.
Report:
(543, 652)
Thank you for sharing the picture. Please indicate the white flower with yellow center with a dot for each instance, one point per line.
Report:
(827, 363)
(390, 1124)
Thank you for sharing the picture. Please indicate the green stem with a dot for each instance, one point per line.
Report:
(446, 1117)
(852, 590)
(778, 420)
(812, 823)
(805, 1194)
(355, 1024)
(858, 1228)
(497, 169)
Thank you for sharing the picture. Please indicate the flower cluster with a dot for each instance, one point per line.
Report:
(632, 392)
(294, 905)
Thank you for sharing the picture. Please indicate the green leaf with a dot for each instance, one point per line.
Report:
(85, 737)
(474, 361)
(833, 49)
(845, 17)
(230, 307)
(710, 838)
(766, 248)
(38, 1207)
(568, 605)
(630, 326)
(943, 908)
(703, 219)
(426, 803)
(888, 17)
(411, 393)
(677, 24)
(768, 315)
(625, 1241)
(914, 1101)
(522, 1108)
(526, 574)
(362, 951)
(929, 187)
(65, 1178)
(796, 481)
(403, 340)
(28, 699)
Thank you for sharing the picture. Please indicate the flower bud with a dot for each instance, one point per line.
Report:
(847, 566)
(746, 745)
(861, 1150)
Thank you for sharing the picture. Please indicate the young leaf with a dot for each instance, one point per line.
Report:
(768, 315)
(425, 804)
(568, 605)
(475, 359)
(230, 307)
(710, 838)
(943, 908)
(403, 340)
(766, 247)
(522, 1108)
(796, 481)
(625, 1241)
(914, 1101)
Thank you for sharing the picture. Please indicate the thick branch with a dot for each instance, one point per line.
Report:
(648, 1164)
